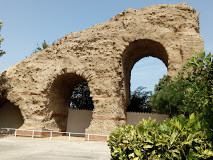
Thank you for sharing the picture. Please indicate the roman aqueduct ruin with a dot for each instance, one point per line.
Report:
(40, 86)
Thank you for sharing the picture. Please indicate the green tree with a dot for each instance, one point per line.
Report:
(80, 98)
(190, 92)
(138, 100)
(1, 39)
(161, 84)
(168, 96)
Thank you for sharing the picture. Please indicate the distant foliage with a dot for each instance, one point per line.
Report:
(1, 39)
(138, 101)
(177, 139)
(80, 98)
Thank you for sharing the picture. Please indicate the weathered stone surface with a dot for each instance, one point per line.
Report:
(102, 55)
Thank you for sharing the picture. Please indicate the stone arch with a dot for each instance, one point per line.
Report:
(104, 55)
(58, 97)
(137, 50)
(10, 115)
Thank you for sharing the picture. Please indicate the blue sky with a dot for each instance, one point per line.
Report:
(29, 22)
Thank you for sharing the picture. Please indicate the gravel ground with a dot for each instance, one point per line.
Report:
(56, 149)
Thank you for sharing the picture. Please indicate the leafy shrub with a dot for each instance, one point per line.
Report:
(176, 139)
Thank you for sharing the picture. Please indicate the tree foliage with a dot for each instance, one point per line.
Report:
(168, 96)
(80, 98)
(191, 90)
(161, 84)
(138, 100)
(1, 39)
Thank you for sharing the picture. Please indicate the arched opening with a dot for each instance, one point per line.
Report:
(145, 74)
(136, 51)
(10, 115)
(61, 95)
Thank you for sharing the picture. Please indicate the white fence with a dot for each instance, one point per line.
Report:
(78, 122)
(50, 134)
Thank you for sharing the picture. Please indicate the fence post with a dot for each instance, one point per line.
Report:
(33, 134)
(69, 136)
(51, 133)
(15, 132)
(88, 137)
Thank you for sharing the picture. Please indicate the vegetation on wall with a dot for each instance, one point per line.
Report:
(44, 45)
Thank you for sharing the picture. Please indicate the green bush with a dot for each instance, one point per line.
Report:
(176, 139)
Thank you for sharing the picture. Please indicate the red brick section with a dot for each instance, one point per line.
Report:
(96, 138)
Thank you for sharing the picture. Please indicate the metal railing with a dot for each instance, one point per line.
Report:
(33, 135)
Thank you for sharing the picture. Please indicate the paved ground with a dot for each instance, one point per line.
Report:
(33, 149)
